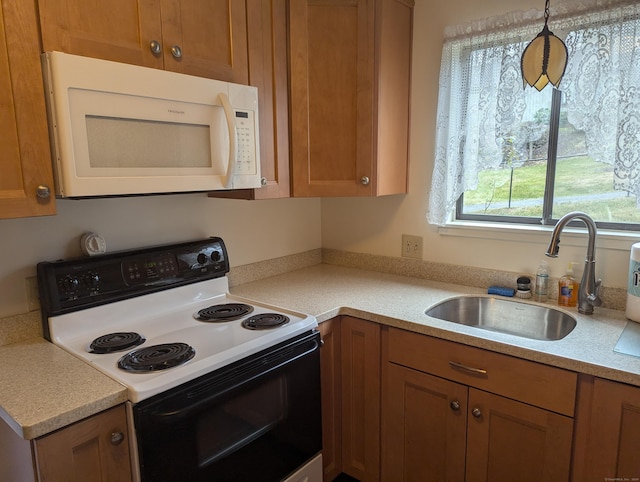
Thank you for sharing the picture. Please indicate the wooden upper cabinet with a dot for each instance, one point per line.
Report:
(25, 164)
(268, 71)
(211, 36)
(207, 38)
(350, 68)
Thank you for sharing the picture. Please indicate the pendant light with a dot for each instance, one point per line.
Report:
(545, 58)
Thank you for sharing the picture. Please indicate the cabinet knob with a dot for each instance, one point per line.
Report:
(263, 181)
(176, 51)
(117, 438)
(476, 412)
(364, 180)
(455, 405)
(155, 47)
(43, 192)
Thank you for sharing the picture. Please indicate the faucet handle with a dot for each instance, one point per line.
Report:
(594, 297)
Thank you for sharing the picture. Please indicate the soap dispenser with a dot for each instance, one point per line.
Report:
(567, 289)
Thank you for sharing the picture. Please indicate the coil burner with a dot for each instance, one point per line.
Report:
(157, 357)
(224, 312)
(265, 321)
(115, 342)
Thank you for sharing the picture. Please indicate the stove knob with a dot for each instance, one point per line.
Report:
(70, 283)
(94, 280)
(215, 256)
(202, 258)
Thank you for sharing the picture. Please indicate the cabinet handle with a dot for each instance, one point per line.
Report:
(364, 180)
(43, 192)
(117, 438)
(460, 366)
(176, 51)
(455, 405)
(476, 412)
(155, 47)
(263, 181)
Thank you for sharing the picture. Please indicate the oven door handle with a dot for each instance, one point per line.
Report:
(248, 372)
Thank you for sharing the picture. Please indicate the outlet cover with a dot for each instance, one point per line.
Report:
(411, 246)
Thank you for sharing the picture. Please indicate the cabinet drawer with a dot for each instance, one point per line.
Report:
(530, 382)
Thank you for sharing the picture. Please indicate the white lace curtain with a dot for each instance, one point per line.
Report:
(482, 101)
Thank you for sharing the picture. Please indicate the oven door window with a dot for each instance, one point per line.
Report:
(241, 420)
(258, 420)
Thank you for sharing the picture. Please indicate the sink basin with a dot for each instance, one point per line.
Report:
(505, 316)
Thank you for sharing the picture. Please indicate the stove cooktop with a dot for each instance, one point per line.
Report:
(160, 318)
(163, 316)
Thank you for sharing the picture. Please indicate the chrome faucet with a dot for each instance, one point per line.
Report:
(589, 287)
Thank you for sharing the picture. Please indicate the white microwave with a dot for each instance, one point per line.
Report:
(119, 129)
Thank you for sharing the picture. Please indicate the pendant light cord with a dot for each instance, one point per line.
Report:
(546, 11)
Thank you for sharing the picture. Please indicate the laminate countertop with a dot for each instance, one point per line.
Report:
(43, 388)
(327, 290)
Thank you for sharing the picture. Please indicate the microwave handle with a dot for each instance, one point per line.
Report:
(231, 124)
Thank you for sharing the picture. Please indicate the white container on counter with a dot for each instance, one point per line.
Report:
(633, 284)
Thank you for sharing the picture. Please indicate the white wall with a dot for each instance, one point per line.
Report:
(256, 231)
(253, 231)
(376, 225)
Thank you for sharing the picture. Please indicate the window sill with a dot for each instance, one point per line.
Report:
(605, 239)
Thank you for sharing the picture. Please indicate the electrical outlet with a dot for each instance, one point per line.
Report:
(411, 246)
(33, 297)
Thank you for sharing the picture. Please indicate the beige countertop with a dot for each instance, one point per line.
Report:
(43, 388)
(327, 290)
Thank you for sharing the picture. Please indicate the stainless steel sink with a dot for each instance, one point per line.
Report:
(505, 316)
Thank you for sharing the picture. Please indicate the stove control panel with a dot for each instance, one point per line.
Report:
(70, 285)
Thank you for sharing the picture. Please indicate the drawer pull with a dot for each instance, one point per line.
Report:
(460, 366)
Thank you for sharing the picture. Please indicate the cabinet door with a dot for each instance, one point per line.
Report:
(360, 346)
(331, 62)
(211, 36)
(95, 449)
(424, 423)
(267, 37)
(25, 164)
(614, 441)
(118, 30)
(331, 380)
(509, 440)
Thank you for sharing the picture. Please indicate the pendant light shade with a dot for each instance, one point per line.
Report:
(545, 58)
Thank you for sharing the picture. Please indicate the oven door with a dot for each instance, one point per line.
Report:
(257, 419)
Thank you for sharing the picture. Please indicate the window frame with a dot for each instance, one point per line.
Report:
(547, 207)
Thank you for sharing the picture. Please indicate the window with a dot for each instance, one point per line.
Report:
(508, 154)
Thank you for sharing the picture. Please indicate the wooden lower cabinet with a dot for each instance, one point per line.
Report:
(94, 449)
(331, 379)
(438, 429)
(607, 431)
(350, 370)
(509, 440)
(424, 425)
(360, 366)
